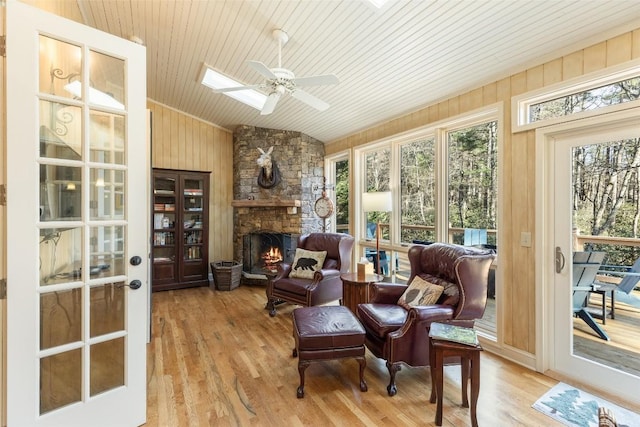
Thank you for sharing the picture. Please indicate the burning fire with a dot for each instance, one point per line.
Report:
(271, 258)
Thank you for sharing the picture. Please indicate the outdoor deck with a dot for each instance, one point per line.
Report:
(623, 350)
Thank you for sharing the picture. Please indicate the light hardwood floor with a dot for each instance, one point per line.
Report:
(218, 359)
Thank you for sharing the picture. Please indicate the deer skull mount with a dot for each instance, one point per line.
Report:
(269, 175)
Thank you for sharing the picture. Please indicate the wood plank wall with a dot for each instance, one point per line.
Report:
(518, 210)
(179, 141)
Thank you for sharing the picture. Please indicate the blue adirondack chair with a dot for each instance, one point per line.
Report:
(627, 277)
(585, 268)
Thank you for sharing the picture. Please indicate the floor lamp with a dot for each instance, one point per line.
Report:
(378, 201)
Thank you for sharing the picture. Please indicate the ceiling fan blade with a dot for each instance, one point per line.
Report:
(309, 99)
(326, 79)
(262, 69)
(270, 104)
(235, 88)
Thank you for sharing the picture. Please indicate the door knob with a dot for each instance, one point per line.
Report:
(135, 284)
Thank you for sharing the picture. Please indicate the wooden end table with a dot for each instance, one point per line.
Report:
(355, 289)
(469, 361)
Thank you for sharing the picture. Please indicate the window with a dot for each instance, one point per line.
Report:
(612, 89)
(377, 173)
(443, 181)
(591, 99)
(472, 185)
(338, 178)
(418, 191)
(342, 195)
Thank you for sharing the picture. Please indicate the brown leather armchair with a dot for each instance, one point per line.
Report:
(325, 286)
(402, 336)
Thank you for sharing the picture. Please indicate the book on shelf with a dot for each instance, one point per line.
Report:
(454, 333)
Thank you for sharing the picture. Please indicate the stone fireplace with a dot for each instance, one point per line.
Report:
(287, 207)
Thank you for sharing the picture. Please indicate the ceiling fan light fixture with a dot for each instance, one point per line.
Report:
(216, 80)
(278, 81)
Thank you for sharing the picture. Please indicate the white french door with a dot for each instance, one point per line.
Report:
(560, 145)
(77, 234)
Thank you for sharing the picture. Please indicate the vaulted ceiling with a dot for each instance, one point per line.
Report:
(390, 61)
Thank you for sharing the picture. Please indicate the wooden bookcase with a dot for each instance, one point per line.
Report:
(180, 229)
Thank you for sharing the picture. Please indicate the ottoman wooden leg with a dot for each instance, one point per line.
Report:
(302, 365)
(363, 364)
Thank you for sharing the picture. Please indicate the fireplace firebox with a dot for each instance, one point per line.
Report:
(264, 250)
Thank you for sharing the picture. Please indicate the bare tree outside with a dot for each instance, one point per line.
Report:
(606, 194)
(418, 191)
(473, 183)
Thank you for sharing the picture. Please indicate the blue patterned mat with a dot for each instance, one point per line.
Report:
(576, 408)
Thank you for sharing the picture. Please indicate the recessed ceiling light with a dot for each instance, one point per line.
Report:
(217, 80)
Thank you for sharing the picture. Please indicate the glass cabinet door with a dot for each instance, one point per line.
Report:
(164, 222)
(193, 209)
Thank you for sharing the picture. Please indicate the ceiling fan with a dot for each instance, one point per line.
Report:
(281, 80)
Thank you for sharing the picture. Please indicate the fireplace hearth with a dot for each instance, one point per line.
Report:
(263, 251)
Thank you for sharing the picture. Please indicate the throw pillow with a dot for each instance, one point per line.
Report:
(306, 263)
(420, 292)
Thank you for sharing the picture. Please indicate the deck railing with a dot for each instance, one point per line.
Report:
(455, 233)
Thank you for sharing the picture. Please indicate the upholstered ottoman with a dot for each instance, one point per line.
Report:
(325, 333)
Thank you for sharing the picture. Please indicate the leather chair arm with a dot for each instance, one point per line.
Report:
(325, 274)
(386, 293)
(422, 317)
(433, 313)
(283, 271)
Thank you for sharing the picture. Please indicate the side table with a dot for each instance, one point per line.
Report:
(355, 290)
(469, 362)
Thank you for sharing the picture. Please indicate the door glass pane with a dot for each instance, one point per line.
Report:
(60, 318)
(60, 193)
(107, 366)
(60, 255)
(606, 208)
(106, 77)
(63, 62)
(60, 380)
(107, 308)
(107, 251)
(106, 198)
(60, 131)
(106, 137)
(418, 191)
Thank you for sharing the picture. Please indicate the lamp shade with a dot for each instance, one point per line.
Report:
(377, 201)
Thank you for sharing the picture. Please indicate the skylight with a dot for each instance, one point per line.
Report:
(216, 80)
(378, 3)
